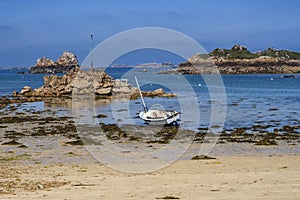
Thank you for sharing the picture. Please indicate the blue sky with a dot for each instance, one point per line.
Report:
(31, 29)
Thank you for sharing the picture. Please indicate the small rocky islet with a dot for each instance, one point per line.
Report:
(239, 60)
(66, 62)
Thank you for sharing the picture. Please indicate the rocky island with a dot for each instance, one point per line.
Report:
(239, 60)
(66, 62)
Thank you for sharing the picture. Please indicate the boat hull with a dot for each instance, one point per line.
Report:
(161, 117)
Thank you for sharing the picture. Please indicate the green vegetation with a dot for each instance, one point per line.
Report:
(285, 54)
(204, 56)
(241, 52)
(236, 52)
(13, 158)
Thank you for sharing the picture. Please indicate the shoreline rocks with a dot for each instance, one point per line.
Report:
(155, 93)
(240, 67)
(90, 82)
(77, 82)
(26, 89)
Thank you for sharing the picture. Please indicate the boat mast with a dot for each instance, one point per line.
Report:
(144, 104)
(92, 55)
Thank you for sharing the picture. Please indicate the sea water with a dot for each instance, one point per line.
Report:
(250, 99)
(11, 81)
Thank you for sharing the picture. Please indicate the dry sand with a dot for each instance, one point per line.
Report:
(227, 177)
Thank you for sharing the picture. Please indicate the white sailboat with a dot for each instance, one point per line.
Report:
(157, 117)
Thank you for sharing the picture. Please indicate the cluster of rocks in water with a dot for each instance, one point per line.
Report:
(256, 135)
(80, 82)
(75, 81)
(19, 124)
(66, 62)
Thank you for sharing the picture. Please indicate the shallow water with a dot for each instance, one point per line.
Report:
(258, 99)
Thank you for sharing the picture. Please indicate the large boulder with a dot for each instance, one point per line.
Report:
(44, 62)
(123, 88)
(103, 91)
(239, 47)
(67, 59)
(25, 89)
(51, 81)
(158, 93)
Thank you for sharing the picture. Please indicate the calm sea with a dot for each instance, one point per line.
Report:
(256, 99)
(11, 81)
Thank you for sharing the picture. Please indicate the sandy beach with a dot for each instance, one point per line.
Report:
(228, 177)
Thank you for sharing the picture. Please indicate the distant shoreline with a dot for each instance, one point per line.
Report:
(198, 69)
(237, 60)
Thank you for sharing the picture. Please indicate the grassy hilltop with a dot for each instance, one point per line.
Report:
(241, 52)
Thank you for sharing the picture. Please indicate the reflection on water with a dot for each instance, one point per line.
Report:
(118, 110)
(56, 103)
(66, 102)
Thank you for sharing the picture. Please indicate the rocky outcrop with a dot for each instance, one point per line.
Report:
(253, 66)
(25, 89)
(238, 60)
(67, 59)
(78, 82)
(92, 82)
(158, 93)
(66, 62)
(155, 93)
(74, 82)
(44, 62)
(121, 87)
